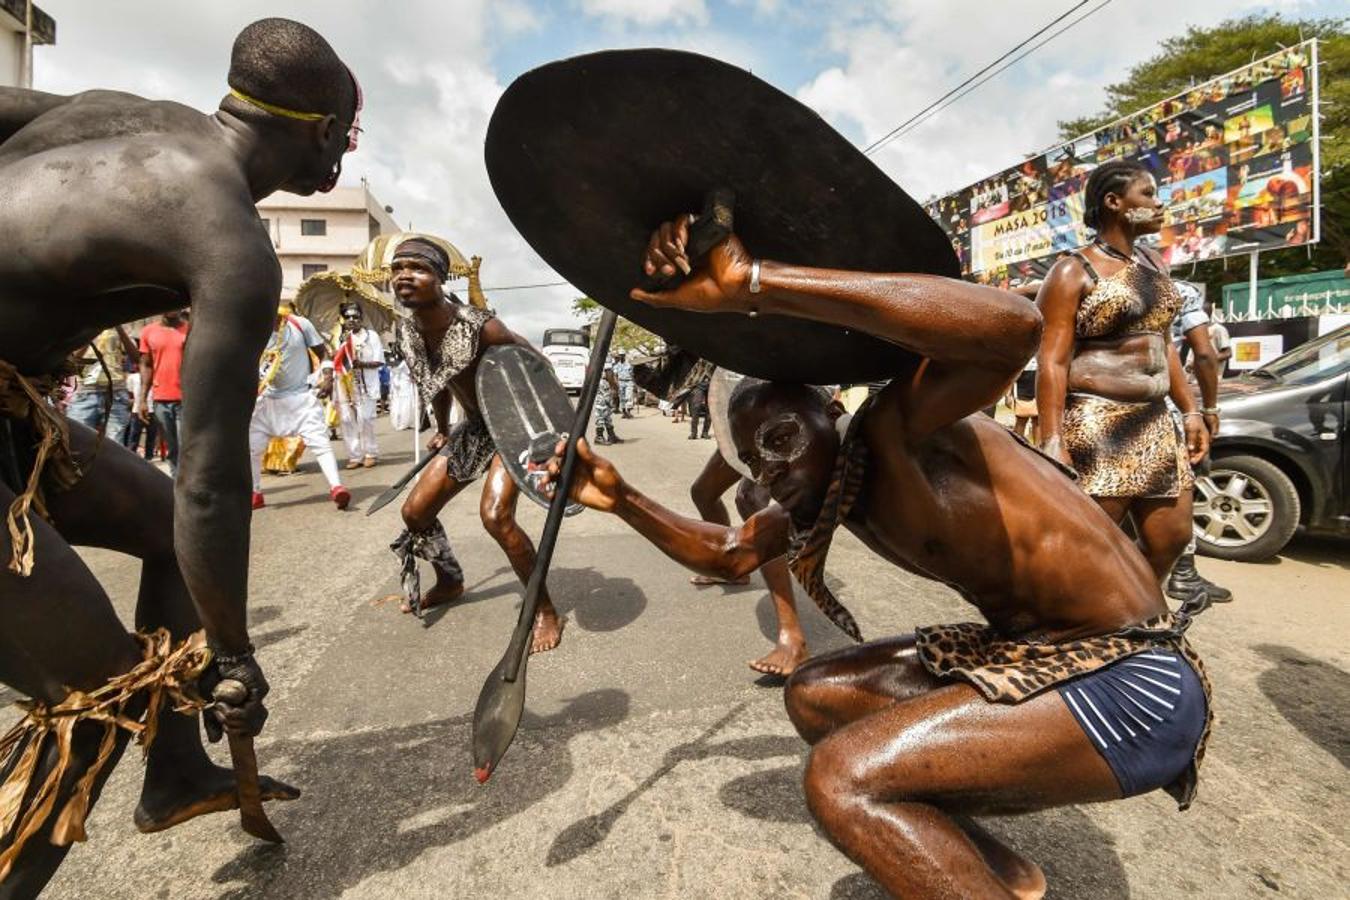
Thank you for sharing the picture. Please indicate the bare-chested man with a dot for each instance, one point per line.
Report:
(117, 208)
(443, 341)
(1080, 689)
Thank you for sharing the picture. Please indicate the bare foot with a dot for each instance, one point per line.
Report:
(548, 629)
(782, 660)
(705, 580)
(1023, 877)
(178, 795)
(437, 596)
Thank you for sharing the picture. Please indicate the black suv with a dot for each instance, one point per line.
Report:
(1281, 455)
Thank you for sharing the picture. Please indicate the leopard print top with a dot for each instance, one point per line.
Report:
(431, 372)
(1132, 300)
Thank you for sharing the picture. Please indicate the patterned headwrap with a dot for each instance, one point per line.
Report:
(427, 252)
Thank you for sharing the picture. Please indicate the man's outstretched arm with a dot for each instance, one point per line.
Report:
(705, 547)
(976, 338)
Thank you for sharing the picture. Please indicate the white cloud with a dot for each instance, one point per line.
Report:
(428, 70)
(647, 13)
(428, 102)
(902, 55)
(515, 17)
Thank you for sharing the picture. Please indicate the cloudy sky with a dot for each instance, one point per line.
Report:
(432, 71)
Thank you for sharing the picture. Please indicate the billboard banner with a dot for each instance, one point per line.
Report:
(1235, 159)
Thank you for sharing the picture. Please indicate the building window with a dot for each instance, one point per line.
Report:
(309, 270)
(314, 227)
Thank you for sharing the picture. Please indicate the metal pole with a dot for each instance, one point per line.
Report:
(417, 431)
(1251, 285)
(1316, 150)
(26, 62)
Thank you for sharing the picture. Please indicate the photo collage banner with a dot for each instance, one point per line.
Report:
(1234, 161)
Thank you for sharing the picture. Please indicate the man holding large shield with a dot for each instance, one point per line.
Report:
(443, 340)
(1081, 687)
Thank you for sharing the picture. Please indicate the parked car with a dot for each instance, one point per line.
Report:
(1281, 455)
(568, 349)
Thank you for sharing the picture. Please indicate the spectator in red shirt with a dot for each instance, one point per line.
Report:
(161, 363)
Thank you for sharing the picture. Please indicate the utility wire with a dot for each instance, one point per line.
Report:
(886, 137)
(1005, 67)
(526, 287)
(966, 86)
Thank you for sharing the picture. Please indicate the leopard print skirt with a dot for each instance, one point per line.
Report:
(1007, 670)
(469, 449)
(1125, 449)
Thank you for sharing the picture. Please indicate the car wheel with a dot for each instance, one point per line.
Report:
(1246, 509)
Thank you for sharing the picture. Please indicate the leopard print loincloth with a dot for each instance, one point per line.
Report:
(1125, 449)
(1007, 670)
(469, 449)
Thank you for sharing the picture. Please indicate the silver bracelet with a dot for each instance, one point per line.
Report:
(1185, 415)
(1209, 410)
(754, 276)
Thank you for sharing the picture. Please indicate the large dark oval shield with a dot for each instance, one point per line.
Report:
(588, 155)
(526, 411)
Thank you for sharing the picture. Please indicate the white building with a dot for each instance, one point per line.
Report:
(17, 40)
(323, 231)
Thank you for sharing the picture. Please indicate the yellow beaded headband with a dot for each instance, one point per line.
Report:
(353, 128)
(274, 109)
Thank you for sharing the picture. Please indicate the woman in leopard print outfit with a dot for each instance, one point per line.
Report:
(1106, 368)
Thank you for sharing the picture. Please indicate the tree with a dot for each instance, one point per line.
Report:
(628, 337)
(1203, 53)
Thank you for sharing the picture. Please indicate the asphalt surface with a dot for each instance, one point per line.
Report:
(651, 762)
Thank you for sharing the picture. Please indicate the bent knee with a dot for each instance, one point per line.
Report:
(705, 501)
(804, 695)
(833, 786)
(1165, 545)
(498, 518)
(416, 517)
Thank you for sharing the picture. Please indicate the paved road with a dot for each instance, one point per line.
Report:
(651, 763)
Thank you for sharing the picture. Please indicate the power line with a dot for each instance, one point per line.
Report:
(938, 105)
(1010, 64)
(526, 287)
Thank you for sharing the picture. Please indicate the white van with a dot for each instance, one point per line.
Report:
(568, 349)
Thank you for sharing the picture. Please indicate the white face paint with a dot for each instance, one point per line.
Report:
(1140, 215)
(782, 439)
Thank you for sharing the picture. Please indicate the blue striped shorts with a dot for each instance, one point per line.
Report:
(1144, 714)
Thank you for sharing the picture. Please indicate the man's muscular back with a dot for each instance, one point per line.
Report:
(114, 204)
(971, 506)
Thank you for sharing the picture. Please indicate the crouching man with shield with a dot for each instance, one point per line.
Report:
(1081, 687)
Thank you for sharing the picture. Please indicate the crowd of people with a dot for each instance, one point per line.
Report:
(130, 388)
(312, 388)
